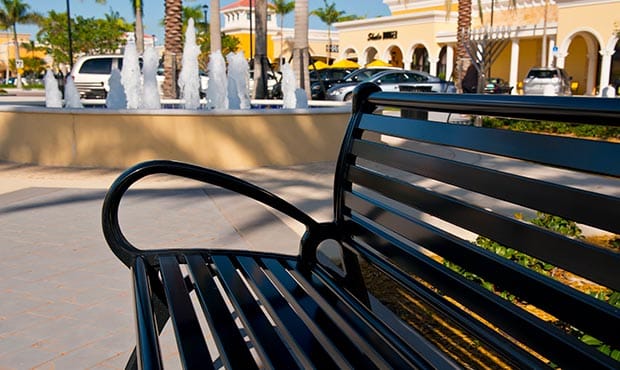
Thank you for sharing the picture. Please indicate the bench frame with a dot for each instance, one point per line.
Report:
(278, 311)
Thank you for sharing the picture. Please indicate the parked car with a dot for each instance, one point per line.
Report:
(320, 81)
(547, 81)
(394, 80)
(92, 72)
(496, 85)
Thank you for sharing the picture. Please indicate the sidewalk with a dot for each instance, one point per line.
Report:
(66, 301)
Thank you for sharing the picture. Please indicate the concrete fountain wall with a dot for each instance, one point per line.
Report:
(117, 139)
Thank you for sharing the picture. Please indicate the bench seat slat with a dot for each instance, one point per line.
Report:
(341, 346)
(148, 350)
(232, 347)
(562, 348)
(561, 251)
(349, 315)
(263, 335)
(300, 340)
(190, 339)
(583, 155)
(583, 311)
(586, 207)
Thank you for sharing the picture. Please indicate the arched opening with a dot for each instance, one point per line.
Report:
(419, 60)
(396, 57)
(350, 54)
(583, 63)
(614, 74)
(442, 63)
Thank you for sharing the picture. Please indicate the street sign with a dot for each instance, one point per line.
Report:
(19, 63)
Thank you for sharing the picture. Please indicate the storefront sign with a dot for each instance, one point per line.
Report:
(382, 36)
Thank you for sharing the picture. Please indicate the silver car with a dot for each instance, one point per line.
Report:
(394, 80)
(547, 81)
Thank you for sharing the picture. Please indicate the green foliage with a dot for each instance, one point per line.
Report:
(559, 128)
(556, 224)
(89, 35)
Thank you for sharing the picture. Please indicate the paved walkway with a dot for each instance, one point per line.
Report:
(65, 298)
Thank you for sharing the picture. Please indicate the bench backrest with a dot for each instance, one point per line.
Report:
(445, 212)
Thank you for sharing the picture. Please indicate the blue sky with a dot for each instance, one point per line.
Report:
(154, 10)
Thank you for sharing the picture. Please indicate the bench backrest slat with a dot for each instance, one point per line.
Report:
(421, 197)
(566, 152)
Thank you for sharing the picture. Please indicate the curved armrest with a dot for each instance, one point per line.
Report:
(127, 253)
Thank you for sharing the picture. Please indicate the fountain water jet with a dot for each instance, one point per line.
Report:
(116, 99)
(150, 96)
(288, 87)
(189, 78)
(238, 81)
(53, 96)
(218, 85)
(130, 75)
(72, 95)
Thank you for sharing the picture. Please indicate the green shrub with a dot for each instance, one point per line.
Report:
(559, 225)
(559, 128)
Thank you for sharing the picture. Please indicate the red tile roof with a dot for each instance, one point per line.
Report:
(241, 4)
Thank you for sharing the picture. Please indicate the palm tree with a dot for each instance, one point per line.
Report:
(138, 8)
(12, 13)
(462, 34)
(282, 8)
(214, 26)
(260, 59)
(330, 15)
(173, 24)
(301, 52)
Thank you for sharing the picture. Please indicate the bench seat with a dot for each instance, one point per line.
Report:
(452, 246)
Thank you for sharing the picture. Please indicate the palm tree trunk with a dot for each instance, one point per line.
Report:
(214, 26)
(462, 35)
(139, 27)
(301, 53)
(260, 59)
(173, 46)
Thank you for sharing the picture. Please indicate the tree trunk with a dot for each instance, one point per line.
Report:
(462, 35)
(214, 26)
(173, 47)
(139, 28)
(301, 54)
(261, 63)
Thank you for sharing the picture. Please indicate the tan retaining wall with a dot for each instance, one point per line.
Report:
(235, 140)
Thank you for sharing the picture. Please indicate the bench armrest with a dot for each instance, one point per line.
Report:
(127, 253)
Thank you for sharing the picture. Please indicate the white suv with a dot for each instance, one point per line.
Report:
(92, 72)
(547, 81)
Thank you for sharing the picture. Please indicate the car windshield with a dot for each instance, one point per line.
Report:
(542, 73)
(361, 75)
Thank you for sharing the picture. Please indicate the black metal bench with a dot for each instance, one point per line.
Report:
(397, 279)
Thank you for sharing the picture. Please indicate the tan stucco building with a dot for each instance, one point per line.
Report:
(581, 36)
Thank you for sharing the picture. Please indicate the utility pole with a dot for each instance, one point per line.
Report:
(69, 36)
(544, 38)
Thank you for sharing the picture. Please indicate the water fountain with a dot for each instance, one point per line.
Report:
(130, 75)
(238, 81)
(150, 96)
(52, 93)
(189, 79)
(289, 100)
(222, 136)
(218, 82)
(72, 95)
(116, 99)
